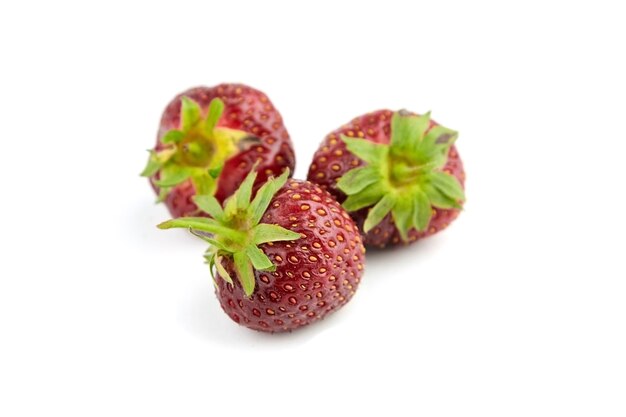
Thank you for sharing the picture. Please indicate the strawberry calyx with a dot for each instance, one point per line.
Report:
(197, 150)
(235, 230)
(405, 177)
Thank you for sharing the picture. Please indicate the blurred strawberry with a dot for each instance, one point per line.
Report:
(208, 141)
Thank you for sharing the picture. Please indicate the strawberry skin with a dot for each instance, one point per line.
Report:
(333, 160)
(283, 260)
(314, 275)
(245, 110)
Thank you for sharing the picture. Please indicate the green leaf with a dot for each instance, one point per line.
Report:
(153, 165)
(402, 213)
(244, 192)
(423, 211)
(215, 243)
(157, 160)
(370, 152)
(264, 196)
(379, 211)
(259, 259)
(365, 198)
(407, 130)
(216, 108)
(172, 175)
(209, 205)
(432, 152)
(241, 198)
(436, 160)
(207, 239)
(210, 260)
(172, 136)
(203, 224)
(440, 136)
(189, 113)
(221, 271)
(203, 183)
(264, 232)
(357, 179)
(230, 206)
(245, 272)
(448, 185)
(438, 199)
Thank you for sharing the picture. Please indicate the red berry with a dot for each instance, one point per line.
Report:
(216, 160)
(314, 267)
(420, 161)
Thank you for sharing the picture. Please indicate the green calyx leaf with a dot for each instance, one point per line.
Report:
(404, 177)
(173, 136)
(243, 266)
(235, 229)
(370, 152)
(264, 196)
(197, 150)
(259, 259)
(263, 233)
(189, 113)
(172, 175)
(156, 161)
(210, 205)
(379, 211)
(222, 271)
(216, 108)
(358, 179)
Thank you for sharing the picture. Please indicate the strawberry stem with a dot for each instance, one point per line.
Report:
(236, 231)
(197, 150)
(404, 177)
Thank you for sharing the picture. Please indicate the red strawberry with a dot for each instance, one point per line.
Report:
(208, 140)
(284, 260)
(399, 174)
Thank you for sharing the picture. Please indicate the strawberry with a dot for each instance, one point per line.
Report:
(208, 140)
(398, 173)
(283, 260)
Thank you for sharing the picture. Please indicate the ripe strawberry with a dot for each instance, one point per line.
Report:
(208, 140)
(282, 267)
(399, 174)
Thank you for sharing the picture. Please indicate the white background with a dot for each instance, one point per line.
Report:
(518, 309)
